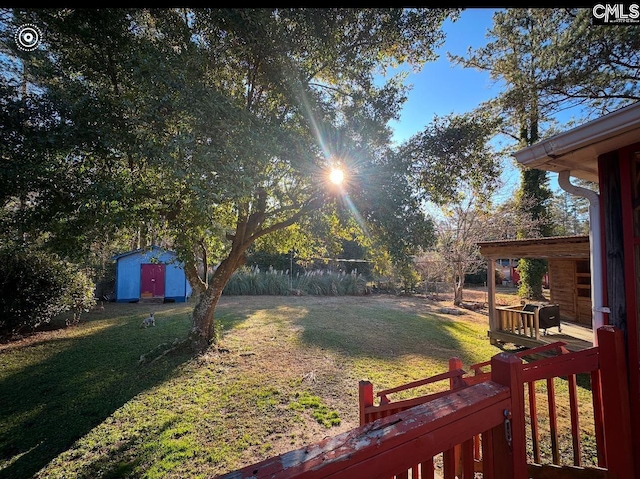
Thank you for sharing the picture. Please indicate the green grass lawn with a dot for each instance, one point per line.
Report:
(75, 403)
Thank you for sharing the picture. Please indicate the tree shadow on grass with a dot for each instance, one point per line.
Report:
(388, 334)
(61, 388)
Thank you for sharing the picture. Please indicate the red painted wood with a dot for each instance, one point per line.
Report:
(615, 395)
(455, 364)
(553, 420)
(449, 464)
(388, 407)
(397, 406)
(477, 454)
(467, 459)
(558, 347)
(427, 469)
(575, 419)
(630, 275)
(476, 379)
(422, 382)
(152, 280)
(488, 455)
(598, 416)
(510, 460)
(365, 399)
(581, 361)
(533, 415)
(389, 445)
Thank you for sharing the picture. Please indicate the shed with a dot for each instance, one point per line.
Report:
(569, 273)
(150, 273)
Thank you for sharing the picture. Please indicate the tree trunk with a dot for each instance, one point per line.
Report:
(457, 299)
(203, 326)
(458, 286)
(248, 229)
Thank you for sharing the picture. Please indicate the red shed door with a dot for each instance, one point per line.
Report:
(152, 281)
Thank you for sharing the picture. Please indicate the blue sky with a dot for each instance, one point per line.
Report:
(441, 87)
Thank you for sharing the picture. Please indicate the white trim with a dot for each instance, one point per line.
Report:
(596, 131)
(578, 149)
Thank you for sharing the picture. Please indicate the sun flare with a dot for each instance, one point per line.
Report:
(336, 176)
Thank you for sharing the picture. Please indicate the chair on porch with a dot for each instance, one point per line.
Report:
(548, 315)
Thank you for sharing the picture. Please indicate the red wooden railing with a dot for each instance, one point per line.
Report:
(454, 459)
(479, 423)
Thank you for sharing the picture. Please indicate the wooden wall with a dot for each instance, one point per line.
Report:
(570, 287)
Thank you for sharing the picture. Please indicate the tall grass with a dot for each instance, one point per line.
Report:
(252, 281)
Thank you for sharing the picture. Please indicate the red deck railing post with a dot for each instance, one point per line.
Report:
(598, 417)
(509, 439)
(615, 396)
(365, 398)
(453, 458)
(455, 364)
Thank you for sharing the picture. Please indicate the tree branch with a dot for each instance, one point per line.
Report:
(312, 204)
(191, 272)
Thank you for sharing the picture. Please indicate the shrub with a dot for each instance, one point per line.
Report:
(531, 277)
(36, 286)
(409, 276)
(78, 296)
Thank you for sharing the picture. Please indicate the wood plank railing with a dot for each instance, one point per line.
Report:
(513, 320)
(479, 423)
(402, 441)
(460, 454)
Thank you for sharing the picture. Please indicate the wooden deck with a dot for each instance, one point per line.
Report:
(577, 337)
(480, 423)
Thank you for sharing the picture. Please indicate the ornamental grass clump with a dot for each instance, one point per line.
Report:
(252, 281)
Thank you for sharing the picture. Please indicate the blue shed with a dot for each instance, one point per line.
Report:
(150, 273)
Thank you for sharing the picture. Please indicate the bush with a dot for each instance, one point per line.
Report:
(78, 296)
(36, 286)
(531, 278)
(477, 278)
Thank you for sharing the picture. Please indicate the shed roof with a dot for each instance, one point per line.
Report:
(546, 248)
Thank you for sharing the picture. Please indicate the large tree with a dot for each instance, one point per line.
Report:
(516, 55)
(457, 168)
(549, 60)
(454, 153)
(593, 67)
(218, 126)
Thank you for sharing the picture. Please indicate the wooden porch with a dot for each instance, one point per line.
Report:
(569, 289)
(576, 336)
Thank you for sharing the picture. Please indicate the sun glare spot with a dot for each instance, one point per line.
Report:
(336, 176)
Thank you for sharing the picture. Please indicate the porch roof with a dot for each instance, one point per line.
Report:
(551, 247)
(578, 149)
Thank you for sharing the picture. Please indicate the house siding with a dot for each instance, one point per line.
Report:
(128, 277)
